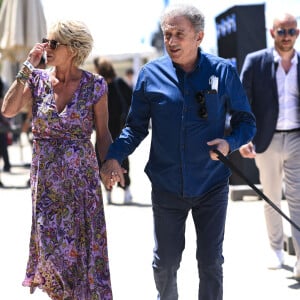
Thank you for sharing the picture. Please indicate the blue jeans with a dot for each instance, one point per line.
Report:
(170, 213)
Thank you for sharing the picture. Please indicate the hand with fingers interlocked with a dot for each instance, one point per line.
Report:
(112, 173)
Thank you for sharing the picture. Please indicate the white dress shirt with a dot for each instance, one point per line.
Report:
(288, 95)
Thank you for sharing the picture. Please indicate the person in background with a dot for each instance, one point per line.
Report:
(68, 256)
(271, 78)
(186, 94)
(5, 128)
(129, 77)
(119, 100)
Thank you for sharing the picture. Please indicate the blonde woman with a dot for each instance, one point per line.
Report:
(68, 246)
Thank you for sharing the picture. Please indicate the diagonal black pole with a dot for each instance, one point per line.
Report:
(229, 164)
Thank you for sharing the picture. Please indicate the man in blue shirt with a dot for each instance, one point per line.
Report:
(186, 94)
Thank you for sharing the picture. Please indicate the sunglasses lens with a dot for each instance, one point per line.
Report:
(200, 98)
(53, 44)
(283, 32)
(202, 112)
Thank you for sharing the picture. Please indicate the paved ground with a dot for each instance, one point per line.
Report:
(130, 243)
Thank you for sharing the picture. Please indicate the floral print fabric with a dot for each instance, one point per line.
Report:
(68, 247)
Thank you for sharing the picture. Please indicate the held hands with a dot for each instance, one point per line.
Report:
(112, 173)
(219, 144)
(248, 150)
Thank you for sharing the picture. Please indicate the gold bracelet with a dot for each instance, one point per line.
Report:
(21, 81)
(22, 76)
(25, 71)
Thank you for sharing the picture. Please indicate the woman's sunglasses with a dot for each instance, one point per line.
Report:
(53, 44)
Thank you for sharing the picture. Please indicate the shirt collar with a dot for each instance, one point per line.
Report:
(177, 67)
(277, 57)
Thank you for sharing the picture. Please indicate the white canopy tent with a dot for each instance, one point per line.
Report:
(22, 24)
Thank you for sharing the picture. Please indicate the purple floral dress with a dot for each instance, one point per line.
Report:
(68, 247)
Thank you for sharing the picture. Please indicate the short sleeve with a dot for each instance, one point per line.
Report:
(39, 83)
(100, 88)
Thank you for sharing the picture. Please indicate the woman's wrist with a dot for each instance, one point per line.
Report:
(28, 65)
(24, 73)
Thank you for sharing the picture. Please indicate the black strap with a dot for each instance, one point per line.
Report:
(229, 164)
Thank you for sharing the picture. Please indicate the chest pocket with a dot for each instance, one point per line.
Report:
(213, 106)
(207, 106)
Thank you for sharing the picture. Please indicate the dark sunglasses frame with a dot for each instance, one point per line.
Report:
(283, 32)
(53, 44)
(200, 98)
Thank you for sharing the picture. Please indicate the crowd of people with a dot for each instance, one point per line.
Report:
(186, 95)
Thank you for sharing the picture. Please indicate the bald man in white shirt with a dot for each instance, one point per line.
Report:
(271, 78)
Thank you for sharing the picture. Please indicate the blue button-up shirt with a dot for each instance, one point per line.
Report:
(179, 160)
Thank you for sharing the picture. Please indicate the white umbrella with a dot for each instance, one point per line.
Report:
(22, 24)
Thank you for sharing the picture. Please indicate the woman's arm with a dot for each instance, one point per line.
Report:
(17, 96)
(101, 124)
(104, 140)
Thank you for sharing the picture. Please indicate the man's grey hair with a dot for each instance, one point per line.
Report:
(192, 13)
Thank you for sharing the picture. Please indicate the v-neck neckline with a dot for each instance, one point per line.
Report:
(64, 110)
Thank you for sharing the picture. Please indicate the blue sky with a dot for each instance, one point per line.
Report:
(121, 26)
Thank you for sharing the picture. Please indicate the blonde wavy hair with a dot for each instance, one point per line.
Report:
(76, 35)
